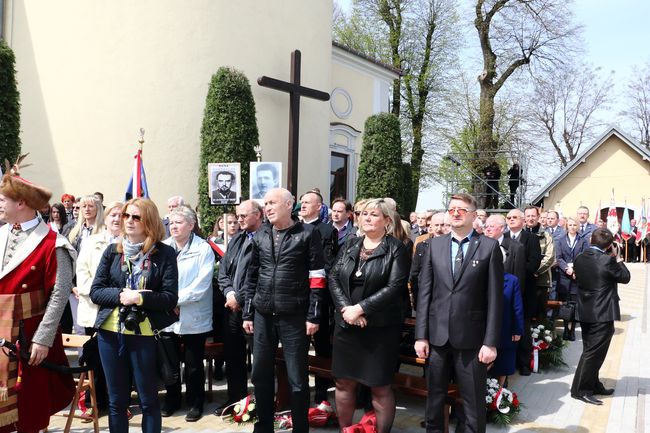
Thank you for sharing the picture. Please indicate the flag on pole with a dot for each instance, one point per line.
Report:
(597, 213)
(138, 183)
(626, 225)
(640, 234)
(612, 218)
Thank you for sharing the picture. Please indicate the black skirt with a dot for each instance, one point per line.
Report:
(367, 355)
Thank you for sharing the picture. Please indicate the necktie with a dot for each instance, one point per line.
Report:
(458, 260)
(16, 227)
(514, 236)
(583, 228)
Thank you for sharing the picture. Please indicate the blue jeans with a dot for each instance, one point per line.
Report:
(292, 333)
(139, 358)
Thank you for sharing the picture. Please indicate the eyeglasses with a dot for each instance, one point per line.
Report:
(126, 216)
(461, 210)
(244, 215)
(76, 208)
(512, 217)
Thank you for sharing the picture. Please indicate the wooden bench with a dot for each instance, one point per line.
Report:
(322, 367)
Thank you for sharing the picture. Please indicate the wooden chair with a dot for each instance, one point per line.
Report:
(85, 382)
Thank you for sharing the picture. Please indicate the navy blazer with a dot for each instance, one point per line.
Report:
(564, 255)
(464, 311)
(513, 312)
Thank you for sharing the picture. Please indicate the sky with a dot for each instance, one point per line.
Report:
(616, 34)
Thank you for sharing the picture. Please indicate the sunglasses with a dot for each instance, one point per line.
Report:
(76, 208)
(126, 216)
(461, 210)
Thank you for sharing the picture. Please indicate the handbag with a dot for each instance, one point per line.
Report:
(167, 357)
(567, 311)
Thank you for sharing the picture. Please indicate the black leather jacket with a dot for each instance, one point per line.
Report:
(386, 274)
(282, 286)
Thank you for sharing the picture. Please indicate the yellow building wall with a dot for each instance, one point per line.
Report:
(91, 73)
(360, 86)
(613, 165)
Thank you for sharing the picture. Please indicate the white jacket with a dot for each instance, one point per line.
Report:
(90, 255)
(195, 269)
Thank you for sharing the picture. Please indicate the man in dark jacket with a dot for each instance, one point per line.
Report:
(515, 220)
(311, 203)
(598, 271)
(282, 297)
(232, 273)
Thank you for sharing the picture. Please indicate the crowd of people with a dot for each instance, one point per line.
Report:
(342, 280)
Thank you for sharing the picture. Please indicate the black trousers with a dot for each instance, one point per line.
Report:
(101, 391)
(595, 343)
(471, 377)
(525, 347)
(290, 330)
(194, 349)
(322, 341)
(234, 341)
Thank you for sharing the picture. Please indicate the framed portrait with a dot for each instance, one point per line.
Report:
(264, 176)
(224, 185)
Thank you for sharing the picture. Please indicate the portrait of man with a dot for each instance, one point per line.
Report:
(224, 185)
(264, 177)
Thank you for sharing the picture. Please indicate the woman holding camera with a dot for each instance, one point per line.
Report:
(195, 267)
(367, 284)
(136, 288)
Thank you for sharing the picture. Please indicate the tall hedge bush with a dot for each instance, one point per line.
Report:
(9, 106)
(228, 134)
(381, 172)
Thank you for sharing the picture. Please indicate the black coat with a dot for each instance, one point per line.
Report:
(515, 261)
(158, 303)
(386, 273)
(597, 275)
(330, 239)
(533, 258)
(233, 258)
(465, 311)
(282, 285)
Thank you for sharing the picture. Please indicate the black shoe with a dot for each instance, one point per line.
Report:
(572, 335)
(194, 414)
(565, 334)
(168, 410)
(525, 371)
(219, 410)
(590, 399)
(604, 391)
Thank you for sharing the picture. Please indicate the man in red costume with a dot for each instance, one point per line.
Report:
(36, 268)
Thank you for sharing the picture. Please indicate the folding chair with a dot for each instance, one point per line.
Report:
(85, 382)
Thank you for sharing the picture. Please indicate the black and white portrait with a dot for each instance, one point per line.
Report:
(224, 184)
(264, 177)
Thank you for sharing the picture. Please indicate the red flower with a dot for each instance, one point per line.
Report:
(515, 400)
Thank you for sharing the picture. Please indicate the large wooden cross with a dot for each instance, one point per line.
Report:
(295, 91)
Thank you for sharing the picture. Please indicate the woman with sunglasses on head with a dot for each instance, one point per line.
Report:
(367, 284)
(136, 288)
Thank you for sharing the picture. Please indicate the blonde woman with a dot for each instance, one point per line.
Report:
(87, 262)
(89, 222)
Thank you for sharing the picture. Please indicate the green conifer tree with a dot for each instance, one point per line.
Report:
(9, 106)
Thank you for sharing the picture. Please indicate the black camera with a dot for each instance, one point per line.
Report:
(131, 316)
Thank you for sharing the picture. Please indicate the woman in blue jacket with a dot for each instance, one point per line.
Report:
(136, 288)
(512, 328)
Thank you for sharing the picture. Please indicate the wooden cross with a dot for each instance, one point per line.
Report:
(295, 91)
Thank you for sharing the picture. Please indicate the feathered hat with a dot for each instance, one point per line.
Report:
(17, 188)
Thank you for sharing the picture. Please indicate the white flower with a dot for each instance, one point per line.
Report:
(541, 326)
(488, 399)
(535, 335)
(547, 332)
(548, 339)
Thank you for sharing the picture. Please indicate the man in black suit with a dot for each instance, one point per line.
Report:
(310, 206)
(533, 253)
(224, 193)
(458, 320)
(232, 274)
(598, 271)
(585, 227)
(515, 256)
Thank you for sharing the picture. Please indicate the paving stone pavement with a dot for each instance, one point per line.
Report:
(547, 405)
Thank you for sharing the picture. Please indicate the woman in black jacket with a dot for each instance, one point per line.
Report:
(136, 287)
(367, 285)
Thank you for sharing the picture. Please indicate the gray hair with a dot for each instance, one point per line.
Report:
(178, 199)
(185, 212)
